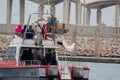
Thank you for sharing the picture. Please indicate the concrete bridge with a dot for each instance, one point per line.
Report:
(87, 4)
(100, 4)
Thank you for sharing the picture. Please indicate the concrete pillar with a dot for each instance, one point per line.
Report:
(40, 9)
(66, 11)
(99, 16)
(52, 10)
(9, 11)
(88, 13)
(117, 15)
(84, 13)
(97, 40)
(78, 12)
(22, 11)
(74, 38)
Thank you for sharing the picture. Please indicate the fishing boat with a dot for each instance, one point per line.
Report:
(27, 60)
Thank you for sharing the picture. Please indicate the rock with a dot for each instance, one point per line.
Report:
(4, 42)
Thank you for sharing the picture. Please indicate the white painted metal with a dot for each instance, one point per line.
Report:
(64, 73)
(42, 72)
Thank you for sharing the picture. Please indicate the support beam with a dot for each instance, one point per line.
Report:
(97, 40)
(9, 11)
(99, 16)
(84, 13)
(22, 11)
(78, 12)
(52, 10)
(40, 9)
(66, 11)
(117, 15)
(74, 38)
(88, 13)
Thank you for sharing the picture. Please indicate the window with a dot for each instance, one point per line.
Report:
(10, 53)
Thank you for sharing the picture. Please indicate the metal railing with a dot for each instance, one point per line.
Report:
(29, 62)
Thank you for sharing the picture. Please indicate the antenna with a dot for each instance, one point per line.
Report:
(48, 5)
(48, 2)
(47, 13)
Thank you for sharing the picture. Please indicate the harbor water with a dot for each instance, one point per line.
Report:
(99, 71)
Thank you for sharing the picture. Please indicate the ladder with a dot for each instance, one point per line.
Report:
(64, 73)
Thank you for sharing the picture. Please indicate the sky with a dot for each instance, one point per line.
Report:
(108, 14)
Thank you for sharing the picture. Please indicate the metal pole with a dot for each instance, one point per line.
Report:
(28, 24)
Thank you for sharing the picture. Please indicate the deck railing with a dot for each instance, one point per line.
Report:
(29, 62)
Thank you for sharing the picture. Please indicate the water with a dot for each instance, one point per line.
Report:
(100, 71)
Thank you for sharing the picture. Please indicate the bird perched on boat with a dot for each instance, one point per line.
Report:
(63, 43)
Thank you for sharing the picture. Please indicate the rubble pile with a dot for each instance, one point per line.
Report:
(4, 42)
(85, 46)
